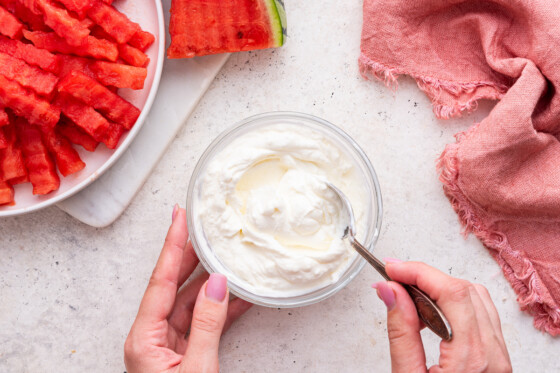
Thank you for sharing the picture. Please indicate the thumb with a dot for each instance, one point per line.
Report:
(209, 316)
(403, 327)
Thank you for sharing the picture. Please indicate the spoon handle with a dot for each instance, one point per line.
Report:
(427, 309)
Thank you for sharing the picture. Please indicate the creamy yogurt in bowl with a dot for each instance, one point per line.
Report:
(259, 211)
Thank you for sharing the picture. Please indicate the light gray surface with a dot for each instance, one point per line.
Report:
(69, 292)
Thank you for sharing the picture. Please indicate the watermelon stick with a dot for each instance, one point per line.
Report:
(40, 167)
(32, 77)
(67, 159)
(89, 91)
(26, 104)
(9, 25)
(30, 54)
(6, 193)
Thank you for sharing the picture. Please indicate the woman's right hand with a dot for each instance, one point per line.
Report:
(477, 345)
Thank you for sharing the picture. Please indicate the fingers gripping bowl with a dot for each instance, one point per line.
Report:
(258, 211)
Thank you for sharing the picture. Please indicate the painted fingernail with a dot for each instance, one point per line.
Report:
(392, 260)
(216, 287)
(386, 294)
(175, 211)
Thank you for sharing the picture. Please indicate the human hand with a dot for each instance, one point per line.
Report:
(477, 345)
(180, 331)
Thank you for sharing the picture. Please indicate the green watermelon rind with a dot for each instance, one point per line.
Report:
(277, 17)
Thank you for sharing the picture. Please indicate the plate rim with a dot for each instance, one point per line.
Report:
(130, 137)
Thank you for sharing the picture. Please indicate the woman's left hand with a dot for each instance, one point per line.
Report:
(179, 331)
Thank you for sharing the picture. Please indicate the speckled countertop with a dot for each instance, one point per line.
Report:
(69, 292)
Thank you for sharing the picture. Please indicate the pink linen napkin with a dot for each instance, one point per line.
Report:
(502, 175)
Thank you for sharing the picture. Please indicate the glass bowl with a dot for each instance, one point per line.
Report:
(203, 248)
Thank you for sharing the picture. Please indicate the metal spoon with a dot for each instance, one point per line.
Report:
(427, 309)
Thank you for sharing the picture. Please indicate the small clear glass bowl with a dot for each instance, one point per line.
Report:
(203, 248)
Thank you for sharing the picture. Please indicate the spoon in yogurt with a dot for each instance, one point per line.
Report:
(427, 309)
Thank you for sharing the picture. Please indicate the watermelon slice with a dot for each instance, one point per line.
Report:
(200, 27)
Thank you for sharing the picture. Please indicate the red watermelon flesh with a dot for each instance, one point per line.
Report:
(84, 116)
(78, 6)
(119, 75)
(40, 81)
(76, 135)
(200, 27)
(4, 121)
(11, 159)
(94, 94)
(133, 56)
(30, 54)
(113, 22)
(6, 193)
(67, 159)
(9, 25)
(142, 40)
(26, 104)
(92, 47)
(40, 166)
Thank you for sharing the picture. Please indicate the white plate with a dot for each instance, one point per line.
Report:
(149, 15)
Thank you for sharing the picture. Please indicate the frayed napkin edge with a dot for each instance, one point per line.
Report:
(433, 87)
(527, 285)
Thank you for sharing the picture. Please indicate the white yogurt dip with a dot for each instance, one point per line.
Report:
(268, 215)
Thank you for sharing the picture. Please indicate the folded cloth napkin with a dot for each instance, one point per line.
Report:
(502, 175)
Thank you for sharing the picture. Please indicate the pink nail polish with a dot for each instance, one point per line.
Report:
(386, 294)
(392, 260)
(216, 287)
(175, 210)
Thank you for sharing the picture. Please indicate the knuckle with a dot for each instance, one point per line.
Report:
(397, 334)
(503, 365)
(421, 266)
(458, 290)
(173, 244)
(478, 361)
(481, 366)
(153, 279)
(506, 368)
(481, 289)
(157, 279)
(206, 322)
